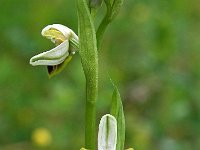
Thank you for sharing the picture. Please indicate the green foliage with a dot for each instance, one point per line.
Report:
(89, 59)
(118, 112)
(88, 48)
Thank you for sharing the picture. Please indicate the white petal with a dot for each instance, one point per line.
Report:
(67, 32)
(107, 136)
(52, 57)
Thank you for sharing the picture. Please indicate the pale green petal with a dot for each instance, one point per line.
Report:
(107, 136)
(52, 57)
(65, 31)
(55, 36)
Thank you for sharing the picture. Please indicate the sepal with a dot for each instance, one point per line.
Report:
(52, 57)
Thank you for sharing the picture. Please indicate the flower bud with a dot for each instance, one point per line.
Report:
(107, 136)
(95, 3)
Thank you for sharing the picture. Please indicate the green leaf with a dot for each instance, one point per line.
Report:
(89, 60)
(118, 113)
(88, 48)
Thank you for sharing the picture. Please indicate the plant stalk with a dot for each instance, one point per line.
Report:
(90, 126)
(101, 30)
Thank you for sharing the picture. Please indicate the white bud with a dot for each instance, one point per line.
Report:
(107, 136)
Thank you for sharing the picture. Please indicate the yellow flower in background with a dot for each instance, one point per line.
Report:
(41, 137)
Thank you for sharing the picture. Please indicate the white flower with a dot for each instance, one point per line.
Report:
(107, 135)
(66, 42)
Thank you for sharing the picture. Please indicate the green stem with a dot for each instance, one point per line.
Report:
(90, 126)
(101, 30)
(105, 22)
(90, 112)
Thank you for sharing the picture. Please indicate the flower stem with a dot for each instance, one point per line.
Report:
(103, 25)
(101, 30)
(90, 126)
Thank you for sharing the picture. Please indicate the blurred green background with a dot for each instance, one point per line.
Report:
(152, 52)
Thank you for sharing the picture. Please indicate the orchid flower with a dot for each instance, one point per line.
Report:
(66, 42)
(107, 135)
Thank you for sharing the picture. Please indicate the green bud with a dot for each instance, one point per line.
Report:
(116, 6)
(95, 3)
